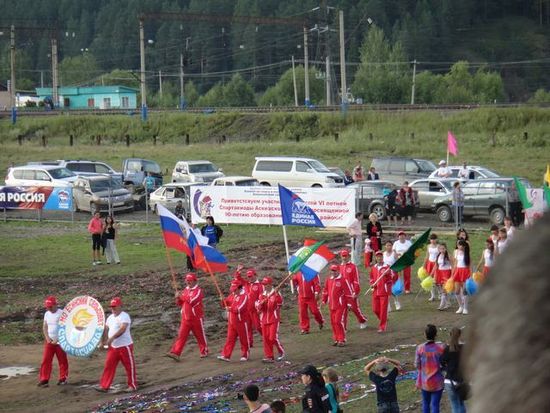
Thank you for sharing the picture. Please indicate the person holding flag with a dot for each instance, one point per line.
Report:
(351, 276)
(381, 284)
(269, 307)
(190, 301)
(237, 322)
(400, 247)
(336, 294)
(308, 300)
(253, 289)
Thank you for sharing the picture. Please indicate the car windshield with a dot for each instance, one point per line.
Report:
(488, 173)
(318, 166)
(448, 184)
(98, 185)
(202, 167)
(150, 166)
(247, 182)
(60, 173)
(426, 166)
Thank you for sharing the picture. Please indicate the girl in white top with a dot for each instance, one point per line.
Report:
(429, 262)
(502, 241)
(510, 229)
(488, 256)
(441, 273)
(460, 273)
(389, 259)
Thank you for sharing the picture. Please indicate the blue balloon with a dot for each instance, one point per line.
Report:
(470, 286)
(397, 288)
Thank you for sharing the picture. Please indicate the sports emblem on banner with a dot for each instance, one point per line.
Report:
(81, 326)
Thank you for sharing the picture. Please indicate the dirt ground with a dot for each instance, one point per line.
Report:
(165, 384)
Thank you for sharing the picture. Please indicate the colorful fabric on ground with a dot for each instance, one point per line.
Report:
(407, 259)
(294, 211)
(522, 192)
(310, 259)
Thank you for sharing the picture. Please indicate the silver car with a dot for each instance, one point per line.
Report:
(101, 193)
(168, 196)
(429, 189)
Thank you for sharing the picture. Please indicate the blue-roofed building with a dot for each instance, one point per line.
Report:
(92, 97)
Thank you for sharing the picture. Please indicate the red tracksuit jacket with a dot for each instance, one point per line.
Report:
(237, 308)
(336, 293)
(383, 288)
(269, 307)
(253, 290)
(349, 272)
(190, 301)
(306, 289)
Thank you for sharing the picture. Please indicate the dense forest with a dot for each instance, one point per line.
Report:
(502, 46)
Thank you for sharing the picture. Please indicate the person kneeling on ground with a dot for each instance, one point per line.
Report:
(251, 396)
(383, 372)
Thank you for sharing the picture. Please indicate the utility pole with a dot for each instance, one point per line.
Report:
(343, 82)
(325, 7)
(182, 97)
(142, 71)
(160, 83)
(413, 82)
(327, 80)
(55, 74)
(294, 83)
(12, 77)
(306, 70)
(41, 78)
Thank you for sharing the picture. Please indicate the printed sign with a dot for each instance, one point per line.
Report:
(260, 205)
(81, 326)
(295, 211)
(536, 197)
(36, 197)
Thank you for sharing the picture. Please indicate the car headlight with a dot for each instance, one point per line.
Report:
(329, 180)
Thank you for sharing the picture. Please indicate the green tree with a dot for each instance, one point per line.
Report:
(540, 96)
(191, 94)
(78, 70)
(282, 93)
(238, 93)
(212, 98)
(119, 77)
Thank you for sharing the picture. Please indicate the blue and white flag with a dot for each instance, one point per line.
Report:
(295, 211)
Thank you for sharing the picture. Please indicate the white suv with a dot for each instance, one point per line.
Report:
(39, 175)
(196, 171)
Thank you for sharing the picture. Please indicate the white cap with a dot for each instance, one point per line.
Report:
(442, 162)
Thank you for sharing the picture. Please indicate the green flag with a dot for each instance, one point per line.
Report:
(298, 259)
(546, 190)
(522, 192)
(407, 259)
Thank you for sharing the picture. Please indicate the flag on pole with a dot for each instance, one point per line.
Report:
(547, 176)
(295, 211)
(407, 259)
(310, 259)
(452, 146)
(522, 193)
(174, 236)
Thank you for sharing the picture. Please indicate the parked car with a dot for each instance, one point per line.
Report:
(476, 172)
(337, 171)
(135, 169)
(168, 196)
(90, 168)
(398, 170)
(429, 189)
(370, 196)
(196, 171)
(294, 171)
(103, 193)
(235, 181)
(39, 175)
(482, 197)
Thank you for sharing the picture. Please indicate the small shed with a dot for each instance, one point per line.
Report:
(93, 97)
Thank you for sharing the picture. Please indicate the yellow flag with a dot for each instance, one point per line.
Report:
(547, 176)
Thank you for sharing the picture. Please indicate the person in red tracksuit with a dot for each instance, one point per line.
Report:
(382, 290)
(351, 275)
(336, 293)
(190, 301)
(120, 348)
(308, 298)
(51, 346)
(237, 322)
(269, 306)
(253, 289)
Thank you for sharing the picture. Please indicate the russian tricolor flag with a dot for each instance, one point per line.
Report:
(179, 235)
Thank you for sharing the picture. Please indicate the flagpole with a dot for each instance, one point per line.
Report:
(287, 258)
(377, 280)
(172, 271)
(214, 280)
(447, 153)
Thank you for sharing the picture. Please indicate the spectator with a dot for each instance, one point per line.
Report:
(251, 396)
(110, 229)
(450, 361)
(358, 172)
(315, 399)
(464, 172)
(443, 171)
(348, 179)
(179, 211)
(502, 241)
(390, 201)
(406, 201)
(430, 377)
(510, 229)
(458, 204)
(372, 176)
(149, 183)
(514, 205)
(278, 406)
(95, 227)
(494, 234)
(331, 378)
(356, 237)
(374, 235)
(212, 231)
(383, 372)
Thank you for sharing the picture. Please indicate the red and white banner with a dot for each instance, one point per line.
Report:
(260, 205)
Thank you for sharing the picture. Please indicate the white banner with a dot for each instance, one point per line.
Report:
(335, 207)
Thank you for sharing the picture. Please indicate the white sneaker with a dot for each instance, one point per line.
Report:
(432, 298)
(281, 357)
(398, 306)
(464, 311)
(222, 358)
(94, 263)
(389, 309)
(362, 326)
(459, 311)
(244, 358)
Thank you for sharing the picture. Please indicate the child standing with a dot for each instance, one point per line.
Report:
(389, 258)
(383, 372)
(110, 229)
(488, 256)
(461, 272)
(441, 273)
(429, 263)
(331, 378)
(502, 241)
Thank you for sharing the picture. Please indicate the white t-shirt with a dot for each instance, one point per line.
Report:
(115, 323)
(442, 263)
(443, 172)
(355, 228)
(459, 257)
(432, 252)
(488, 257)
(389, 259)
(51, 320)
(464, 173)
(510, 232)
(401, 247)
(501, 245)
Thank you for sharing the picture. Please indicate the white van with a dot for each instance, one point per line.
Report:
(294, 171)
(196, 171)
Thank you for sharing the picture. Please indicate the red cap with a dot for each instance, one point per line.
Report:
(50, 301)
(251, 272)
(116, 302)
(379, 252)
(267, 281)
(401, 233)
(334, 267)
(191, 276)
(344, 253)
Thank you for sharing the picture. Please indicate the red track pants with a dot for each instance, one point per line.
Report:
(254, 325)
(196, 327)
(51, 350)
(407, 278)
(380, 309)
(270, 336)
(235, 330)
(305, 304)
(337, 321)
(353, 305)
(126, 356)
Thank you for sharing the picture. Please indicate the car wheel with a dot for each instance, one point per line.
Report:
(265, 184)
(379, 210)
(497, 216)
(444, 213)
(317, 186)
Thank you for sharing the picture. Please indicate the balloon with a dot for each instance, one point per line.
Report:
(427, 283)
(449, 286)
(397, 288)
(470, 286)
(417, 253)
(478, 277)
(422, 273)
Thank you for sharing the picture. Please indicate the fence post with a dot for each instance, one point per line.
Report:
(223, 138)
(127, 140)
(187, 139)
(412, 136)
(297, 138)
(71, 139)
(98, 140)
(44, 141)
(525, 136)
(19, 140)
(336, 136)
(154, 140)
(370, 136)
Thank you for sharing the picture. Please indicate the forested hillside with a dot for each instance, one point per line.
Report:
(99, 44)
